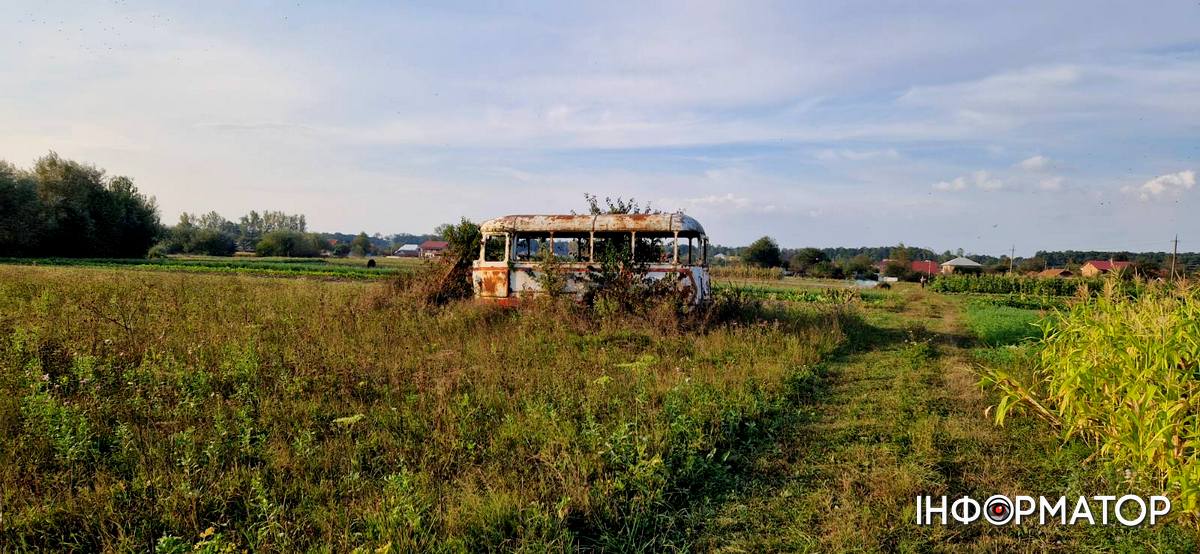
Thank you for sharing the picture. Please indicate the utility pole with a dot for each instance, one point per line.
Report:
(1174, 253)
(1011, 252)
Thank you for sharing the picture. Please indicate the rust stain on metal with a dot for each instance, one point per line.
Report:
(492, 282)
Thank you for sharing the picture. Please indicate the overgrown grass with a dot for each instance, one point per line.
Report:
(143, 410)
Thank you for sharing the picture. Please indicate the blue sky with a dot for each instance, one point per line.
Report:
(975, 125)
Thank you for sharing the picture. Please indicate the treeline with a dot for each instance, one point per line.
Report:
(64, 208)
(839, 263)
(267, 234)
(270, 233)
(1186, 261)
(382, 244)
(872, 254)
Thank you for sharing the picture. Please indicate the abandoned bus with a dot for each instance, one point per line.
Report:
(514, 248)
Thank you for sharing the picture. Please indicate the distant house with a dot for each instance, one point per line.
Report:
(1092, 268)
(961, 265)
(408, 251)
(1060, 273)
(433, 248)
(928, 267)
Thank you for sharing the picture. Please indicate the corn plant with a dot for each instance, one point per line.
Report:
(1011, 284)
(1122, 374)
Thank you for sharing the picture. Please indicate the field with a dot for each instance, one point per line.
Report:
(338, 268)
(175, 410)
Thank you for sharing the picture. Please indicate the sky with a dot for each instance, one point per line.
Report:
(976, 125)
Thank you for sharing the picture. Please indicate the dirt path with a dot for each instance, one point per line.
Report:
(901, 414)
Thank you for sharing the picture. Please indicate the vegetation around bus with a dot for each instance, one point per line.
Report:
(181, 412)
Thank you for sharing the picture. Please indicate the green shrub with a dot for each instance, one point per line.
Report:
(289, 244)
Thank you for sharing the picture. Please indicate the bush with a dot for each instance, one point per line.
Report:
(210, 242)
(826, 270)
(291, 244)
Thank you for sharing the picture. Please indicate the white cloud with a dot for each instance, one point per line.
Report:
(724, 200)
(477, 111)
(959, 183)
(1137, 91)
(1051, 183)
(1164, 186)
(830, 154)
(985, 181)
(1035, 163)
(981, 180)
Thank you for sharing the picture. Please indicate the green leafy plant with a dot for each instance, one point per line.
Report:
(1121, 373)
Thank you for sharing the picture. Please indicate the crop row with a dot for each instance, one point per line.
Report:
(1012, 284)
(1123, 373)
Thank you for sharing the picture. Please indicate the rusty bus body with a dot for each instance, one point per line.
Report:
(508, 267)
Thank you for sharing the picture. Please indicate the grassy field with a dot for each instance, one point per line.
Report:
(1001, 325)
(175, 411)
(144, 409)
(899, 413)
(332, 268)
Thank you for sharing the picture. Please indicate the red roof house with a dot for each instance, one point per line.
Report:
(927, 267)
(1092, 268)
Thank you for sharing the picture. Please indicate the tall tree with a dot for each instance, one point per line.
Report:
(361, 245)
(463, 238)
(763, 252)
(81, 212)
(806, 258)
(20, 213)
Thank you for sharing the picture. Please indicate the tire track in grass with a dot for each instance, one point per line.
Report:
(900, 413)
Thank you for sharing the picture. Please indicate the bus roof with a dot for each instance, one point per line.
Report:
(656, 223)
